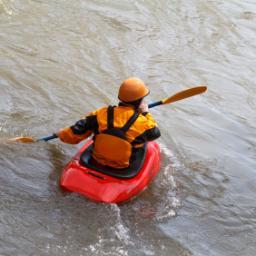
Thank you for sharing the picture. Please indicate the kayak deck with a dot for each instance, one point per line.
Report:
(101, 187)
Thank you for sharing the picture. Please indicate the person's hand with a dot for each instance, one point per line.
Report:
(57, 133)
(143, 108)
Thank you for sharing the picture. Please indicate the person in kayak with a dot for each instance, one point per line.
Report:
(118, 130)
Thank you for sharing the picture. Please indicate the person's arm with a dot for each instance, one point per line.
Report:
(81, 130)
(151, 132)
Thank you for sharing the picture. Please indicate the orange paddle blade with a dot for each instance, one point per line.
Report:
(185, 94)
(23, 139)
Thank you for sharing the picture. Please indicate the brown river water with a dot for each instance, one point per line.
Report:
(61, 59)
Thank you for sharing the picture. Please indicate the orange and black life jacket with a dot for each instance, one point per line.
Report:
(111, 147)
(112, 150)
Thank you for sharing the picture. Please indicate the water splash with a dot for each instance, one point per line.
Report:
(168, 208)
(119, 229)
(6, 7)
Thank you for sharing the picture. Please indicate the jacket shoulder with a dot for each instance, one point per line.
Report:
(147, 121)
(98, 111)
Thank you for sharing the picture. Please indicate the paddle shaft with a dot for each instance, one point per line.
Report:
(154, 104)
(54, 136)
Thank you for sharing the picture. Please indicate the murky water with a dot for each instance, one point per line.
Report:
(62, 59)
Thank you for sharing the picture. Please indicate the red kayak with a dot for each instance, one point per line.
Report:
(108, 185)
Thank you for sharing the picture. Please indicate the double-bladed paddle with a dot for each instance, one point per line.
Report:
(176, 97)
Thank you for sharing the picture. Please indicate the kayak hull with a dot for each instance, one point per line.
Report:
(108, 189)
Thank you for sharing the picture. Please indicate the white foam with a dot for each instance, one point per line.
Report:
(120, 230)
(169, 206)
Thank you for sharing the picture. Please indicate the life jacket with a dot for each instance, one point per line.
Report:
(111, 146)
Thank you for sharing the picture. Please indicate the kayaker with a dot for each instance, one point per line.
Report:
(119, 130)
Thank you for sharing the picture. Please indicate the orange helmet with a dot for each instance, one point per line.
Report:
(132, 89)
